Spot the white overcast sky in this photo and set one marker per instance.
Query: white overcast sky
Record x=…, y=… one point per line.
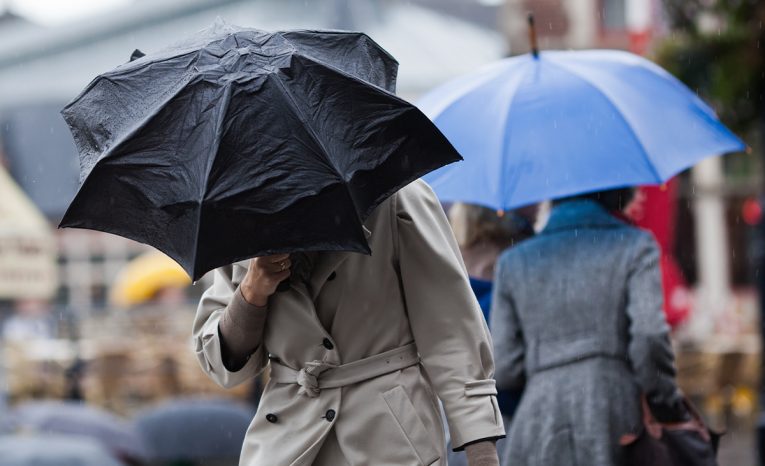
x=51, y=12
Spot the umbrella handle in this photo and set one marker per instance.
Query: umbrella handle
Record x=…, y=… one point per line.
x=533, y=36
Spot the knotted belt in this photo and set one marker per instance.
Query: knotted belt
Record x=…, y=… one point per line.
x=318, y=375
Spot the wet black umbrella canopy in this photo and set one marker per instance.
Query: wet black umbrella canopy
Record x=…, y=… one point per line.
x=238, y=142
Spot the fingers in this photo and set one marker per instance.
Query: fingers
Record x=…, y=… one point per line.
x=277, y=267
x=276, y=258
x=271, y=264
x=271, y=270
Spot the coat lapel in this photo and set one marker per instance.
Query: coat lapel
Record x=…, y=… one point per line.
x=326, y=263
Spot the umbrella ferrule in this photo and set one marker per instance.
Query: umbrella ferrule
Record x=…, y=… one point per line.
x=533, y=37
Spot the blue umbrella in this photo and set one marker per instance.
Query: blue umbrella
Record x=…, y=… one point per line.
x=564, y=123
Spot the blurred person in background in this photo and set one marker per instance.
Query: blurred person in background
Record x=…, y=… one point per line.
x=31, y=320
x=482, y=234
x=577, y=318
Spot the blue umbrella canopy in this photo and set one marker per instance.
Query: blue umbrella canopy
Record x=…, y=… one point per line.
x=565, y=123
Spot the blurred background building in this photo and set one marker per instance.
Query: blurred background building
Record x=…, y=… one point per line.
x=42, y=68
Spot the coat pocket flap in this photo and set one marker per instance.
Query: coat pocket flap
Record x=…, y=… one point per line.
x=406, y=416
x=481, y=387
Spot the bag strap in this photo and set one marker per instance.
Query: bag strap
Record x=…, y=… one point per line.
x=655, y=428
x=650, y=423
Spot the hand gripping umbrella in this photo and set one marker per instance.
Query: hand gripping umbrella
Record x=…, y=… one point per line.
x=238, y=143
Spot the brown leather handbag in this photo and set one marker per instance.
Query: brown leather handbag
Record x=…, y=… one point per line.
x=688, y=443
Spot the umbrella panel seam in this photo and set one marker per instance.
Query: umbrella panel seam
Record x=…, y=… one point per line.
x=619, y=112
x=309, y=129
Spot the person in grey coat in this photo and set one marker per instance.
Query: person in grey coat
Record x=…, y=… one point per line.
x=577, y=317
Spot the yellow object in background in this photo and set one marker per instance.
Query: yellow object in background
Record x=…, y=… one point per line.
x=143, y=277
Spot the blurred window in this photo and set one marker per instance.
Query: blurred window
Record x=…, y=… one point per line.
x=614, y=15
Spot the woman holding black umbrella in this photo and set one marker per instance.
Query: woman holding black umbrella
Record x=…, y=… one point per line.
x=359, y=347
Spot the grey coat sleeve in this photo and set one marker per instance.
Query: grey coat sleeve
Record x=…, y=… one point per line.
x=649, y=349
x=509, y=351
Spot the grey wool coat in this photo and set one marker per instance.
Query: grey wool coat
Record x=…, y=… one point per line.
x=337, y=396
x=577, y=317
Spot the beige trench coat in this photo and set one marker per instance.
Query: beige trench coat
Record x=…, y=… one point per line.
x=412, y=289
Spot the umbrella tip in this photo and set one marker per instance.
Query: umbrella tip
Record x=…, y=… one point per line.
x=136, y=55
x=533, y=36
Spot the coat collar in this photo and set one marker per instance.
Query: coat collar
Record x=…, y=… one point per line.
x=325, y=264
x=580, y=214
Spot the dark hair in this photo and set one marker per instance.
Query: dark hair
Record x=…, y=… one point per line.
x=612, y=199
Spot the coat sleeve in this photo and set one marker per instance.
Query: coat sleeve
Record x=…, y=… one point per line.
x=445, y=318
x=509, y=346
x=649, y=349
x=208, y=345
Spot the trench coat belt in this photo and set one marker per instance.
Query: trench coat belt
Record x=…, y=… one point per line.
x=317, y=375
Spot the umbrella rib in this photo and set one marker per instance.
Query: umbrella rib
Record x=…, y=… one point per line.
x=505, y=143
x=309, y=129
x=619, y=112
x=142, y=123
x=226, y=97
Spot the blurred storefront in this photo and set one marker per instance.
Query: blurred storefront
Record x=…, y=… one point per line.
x=27, y=246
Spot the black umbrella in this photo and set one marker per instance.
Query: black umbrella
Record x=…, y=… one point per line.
x=239, y=143
x=53, y=450
x=194, y=429
x=72, y=418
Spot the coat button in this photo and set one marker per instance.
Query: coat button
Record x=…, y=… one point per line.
x=328, y=344
x=270, y=417
x=332, y=276
x=330, y=416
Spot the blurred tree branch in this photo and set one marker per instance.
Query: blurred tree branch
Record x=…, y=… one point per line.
x=717, y=48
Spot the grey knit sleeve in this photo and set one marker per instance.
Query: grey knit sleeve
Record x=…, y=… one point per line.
x=241, y=331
